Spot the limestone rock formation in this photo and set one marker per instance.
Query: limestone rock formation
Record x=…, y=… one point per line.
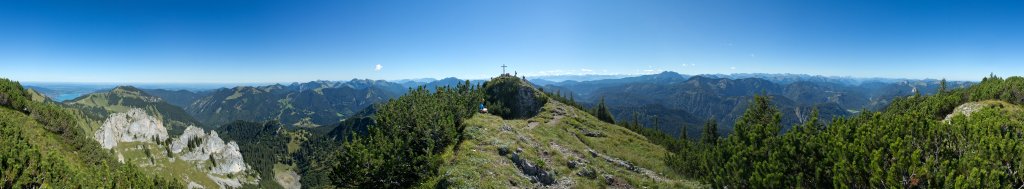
x=132, y=126
x=227, y=156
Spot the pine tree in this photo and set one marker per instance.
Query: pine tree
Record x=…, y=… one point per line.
x=636, y=119
x=603, y=114
x=167, y=148
x=710, y=133
x=942, y=86
x=655, y=124
x=755, y=136
x=213, y=161
x=572, y=98
x=682, y=133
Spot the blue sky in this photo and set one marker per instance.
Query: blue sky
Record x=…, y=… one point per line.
x=285, y=41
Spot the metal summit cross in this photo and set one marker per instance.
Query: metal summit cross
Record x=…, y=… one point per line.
x=503, y=68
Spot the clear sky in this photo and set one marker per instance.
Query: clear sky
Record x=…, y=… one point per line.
x=285, y=41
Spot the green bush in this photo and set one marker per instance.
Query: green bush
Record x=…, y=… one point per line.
x=12, y=95
x=405, y=143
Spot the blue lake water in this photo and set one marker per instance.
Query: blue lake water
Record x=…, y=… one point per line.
x=66, y=96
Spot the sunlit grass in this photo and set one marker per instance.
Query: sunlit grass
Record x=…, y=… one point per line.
x=478, y=164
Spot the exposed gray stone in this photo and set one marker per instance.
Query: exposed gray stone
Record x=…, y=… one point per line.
x=535, y=172
x=132, y=126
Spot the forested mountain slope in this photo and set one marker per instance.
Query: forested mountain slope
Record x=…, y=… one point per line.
x=960, y=138
x=45, y=146
x=267, y=147
x=295, y=105
x=180, y=98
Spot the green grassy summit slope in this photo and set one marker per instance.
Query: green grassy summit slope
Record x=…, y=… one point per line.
x=549, y=144
x=573, y=147
x=36, y=95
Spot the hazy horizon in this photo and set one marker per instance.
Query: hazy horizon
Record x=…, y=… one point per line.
x=543, y=77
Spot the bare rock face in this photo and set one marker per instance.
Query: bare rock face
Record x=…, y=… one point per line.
x=190, y=133
x=227, y=156
x=229, y=160
x=208, y=144
x=528, y=101
x=132, y=126
x=288, y=179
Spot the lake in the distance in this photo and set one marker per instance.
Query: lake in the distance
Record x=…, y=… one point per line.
x=66, y=96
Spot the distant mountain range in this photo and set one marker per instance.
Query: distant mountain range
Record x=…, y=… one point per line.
x=310, y=104
x=674, y=100
x=584, y=77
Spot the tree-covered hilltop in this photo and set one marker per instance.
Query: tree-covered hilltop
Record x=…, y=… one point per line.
x=44, y=146
x=512, y=98
x=961, y=138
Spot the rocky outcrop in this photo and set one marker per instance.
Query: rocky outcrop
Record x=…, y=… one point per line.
x=288, y=179
x=965, y=109
x=591, y=133
x=227, y=156
x=192, y=185
x=615, y=182
x=537, y=173
x=191, y=133
x=132, y=126
x=225, y=182
x=194, y=145
x=229, y=160
x=529, y=101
